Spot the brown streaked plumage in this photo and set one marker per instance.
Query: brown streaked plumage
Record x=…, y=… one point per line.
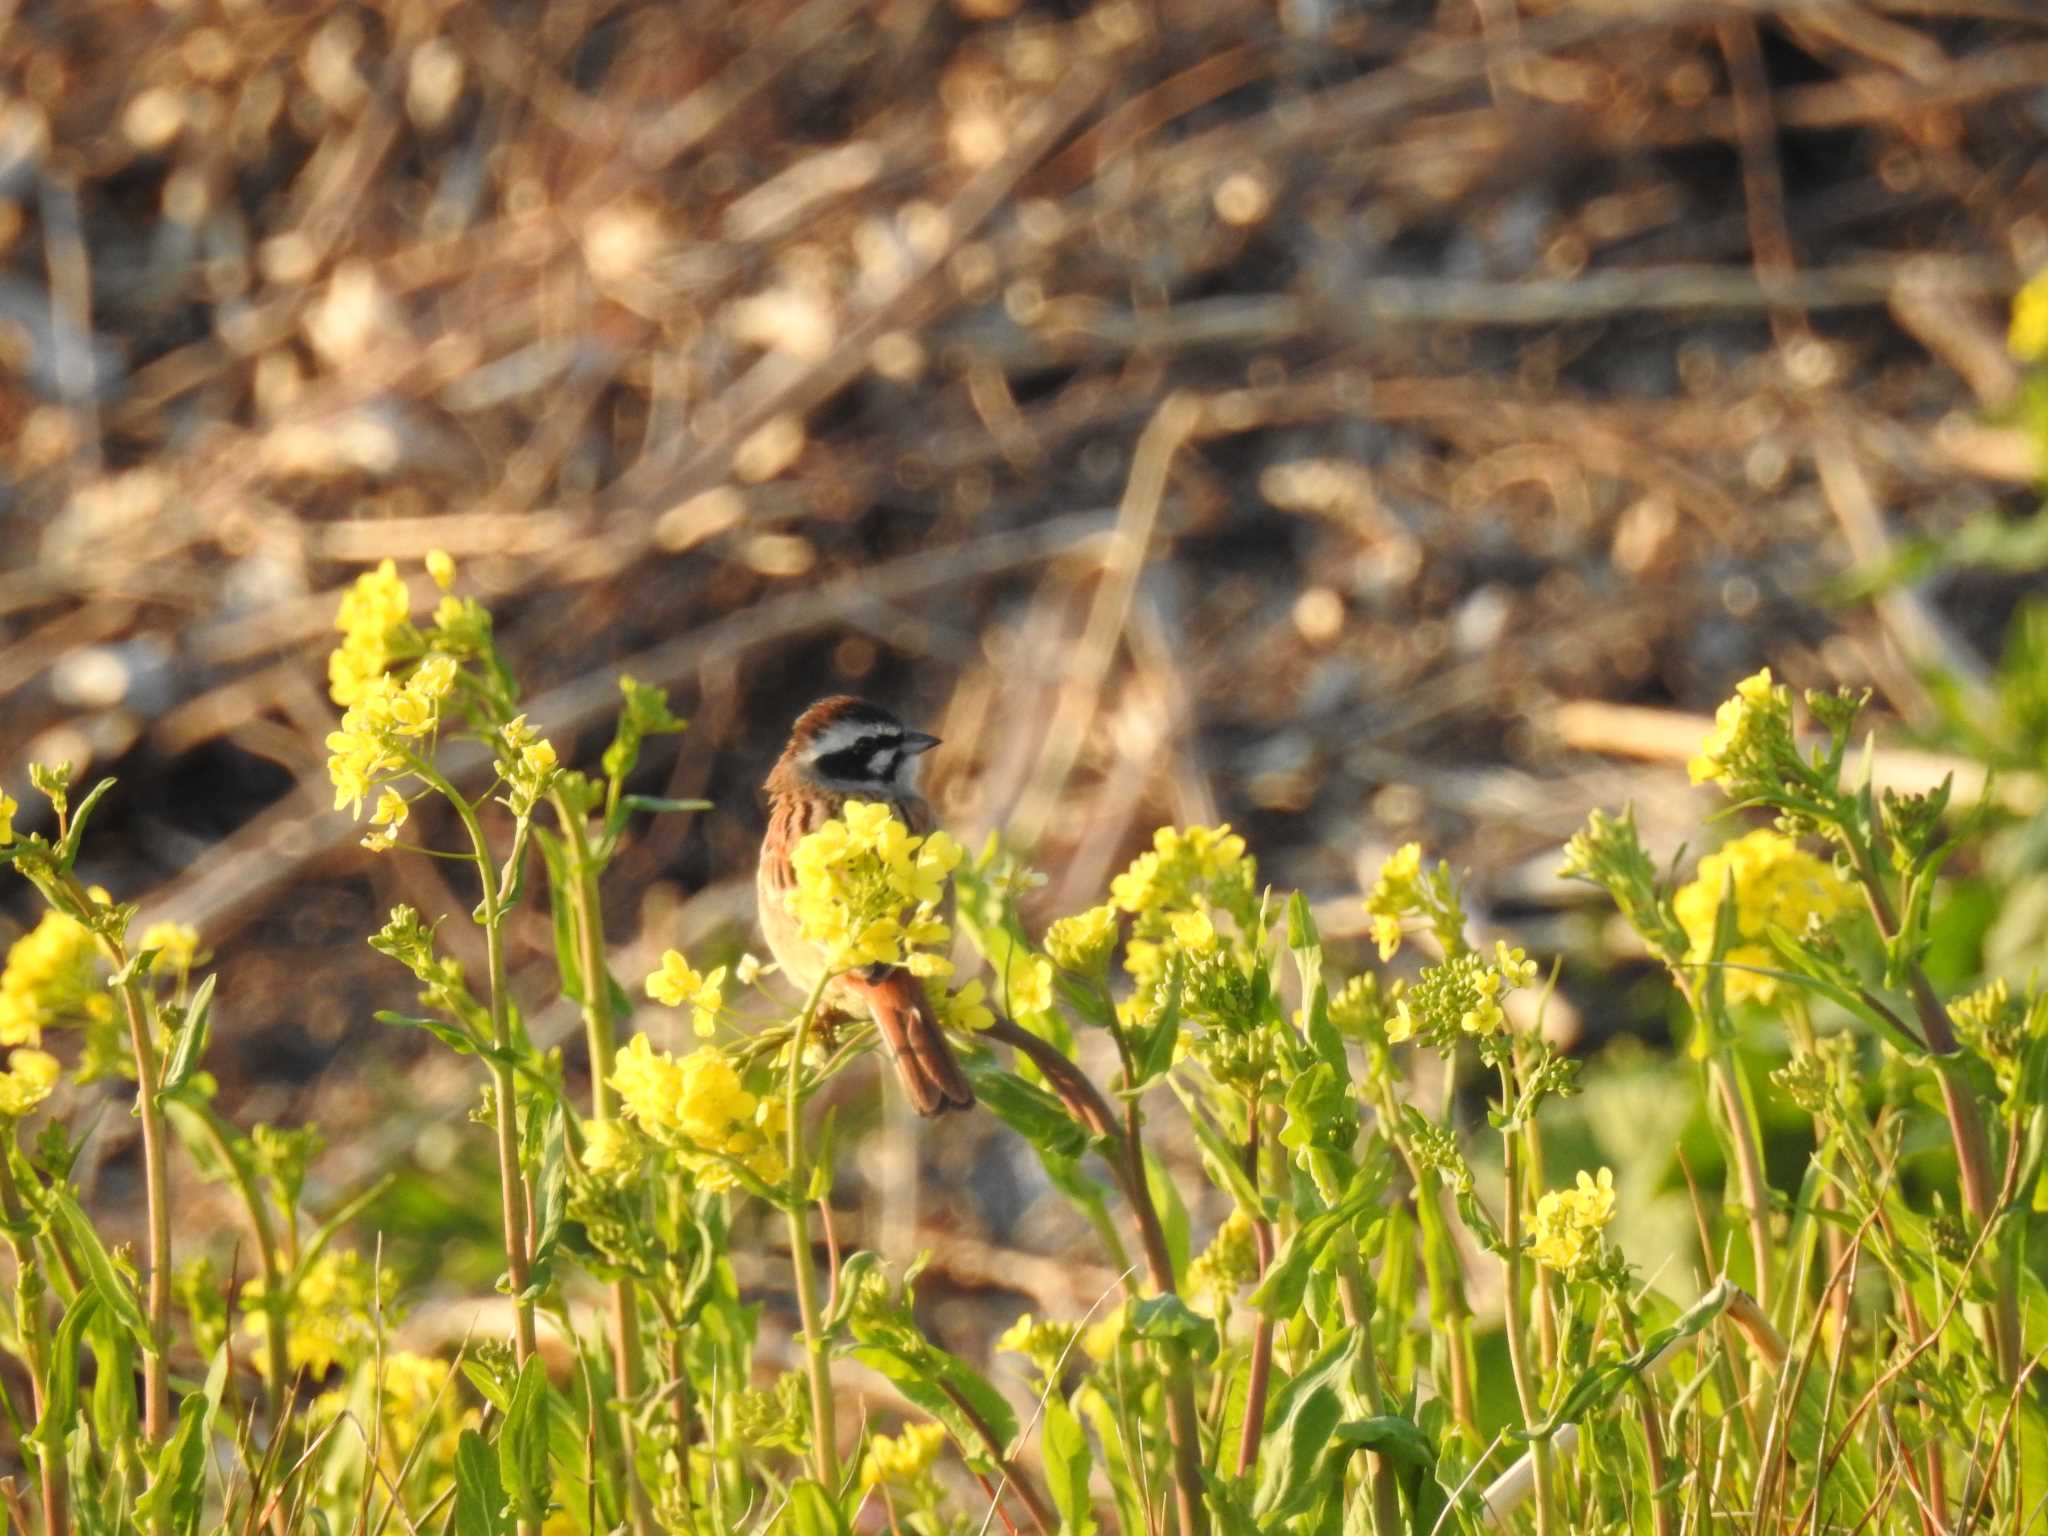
x=842, y=749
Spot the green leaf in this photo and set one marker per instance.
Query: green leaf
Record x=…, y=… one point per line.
x=811, y=1512
x=562, y=910
x=61, y=1409
x=551, y=1189
x=479, y=1496
x=1303, y=1416
x=523, y=1443
x=171, y=1501
x=1036, y=1115
x=67, y=851
x=191, y=1046
x=656, y=804
x=1173, y=1214
x=85, y=1246
x=1068, y=1462
x=1156, y=1055
x=1169, y=1320
x=942, y=1384
x=453, y=1036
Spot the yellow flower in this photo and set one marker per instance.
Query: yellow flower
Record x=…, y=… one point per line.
x=330, y=1319
x=8, y=807
x=609, y=1151
x=1184, y=862
x=868, y=891
x=49, y=979
x=1082, y=943
x=676, y=982
x=968, y=1008
x=2027, y=340
x=1027, y=983
x=1194, y=930
x=1565, y=1235
x=1777, y=885
x=28, y=1080
x=699, y=1106
x=374, y=605
x=1099, y=1339
x=176, y=944
x=1400, y=1024
x=905, y=1459
x=441, y=566
x=1739, y=726
x=1392, y=895
x=1043, y=1344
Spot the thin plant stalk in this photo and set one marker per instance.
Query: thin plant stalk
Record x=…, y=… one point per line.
x=155, y=1376
x=1262, y=1330
x=511, y=1177
x=1516, y=1322
x=1654, y=1463
x=35, y=1343
x=1355, y=1292
x=1746, y=1139
x=824, y=1428
x=1966, y=1124
x=601, y=1039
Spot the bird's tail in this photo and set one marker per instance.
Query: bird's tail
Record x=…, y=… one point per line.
x=932, y=1076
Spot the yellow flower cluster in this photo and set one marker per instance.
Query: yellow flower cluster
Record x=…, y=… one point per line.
x=176, y=944
x=330, y=1320
x=1099, y=1338
x=698, y=1105
x=1044, y=1344
x=1464, y=993
x=1182, y=864
x=1170, y=888
x=1392, y=895
x=676, y=983
x=1231, y=1260
x=49, y=979
x=28, y=1080
x=856, y=876
x=527, y=763
x=1565, y=1235
x=1082, y=943
x=609, y=1151
x=1742, y=729
x=904, y=1459
x=1777, y=885
x=2027, y=340
x=369, y=747
x=373, y=606
x=9, y=807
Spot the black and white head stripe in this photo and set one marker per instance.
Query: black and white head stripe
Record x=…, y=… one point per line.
x=858, y=743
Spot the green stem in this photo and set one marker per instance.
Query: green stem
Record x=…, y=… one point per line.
x=601, y=1038
x=1966, y=1124
x=35, y=1344
x=276, y=1341
x=1262, y=1330
x=824, y=1428
x=1514, y=1320
x=1355, y=1292
x=155, y=1377
x=1746, y=1139
x=511, y=1177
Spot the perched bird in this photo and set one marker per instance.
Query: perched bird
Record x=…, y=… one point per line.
x=844, y=749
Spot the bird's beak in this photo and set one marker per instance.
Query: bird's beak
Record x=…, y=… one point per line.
x=917, y=741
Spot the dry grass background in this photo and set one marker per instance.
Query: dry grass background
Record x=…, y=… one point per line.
x=1359, y=421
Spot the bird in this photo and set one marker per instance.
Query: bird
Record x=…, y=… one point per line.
x=843, y=748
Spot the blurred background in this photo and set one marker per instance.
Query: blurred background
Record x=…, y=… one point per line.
x=1356, y=420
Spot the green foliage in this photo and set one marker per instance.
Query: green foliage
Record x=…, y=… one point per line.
x=1306, y=1304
